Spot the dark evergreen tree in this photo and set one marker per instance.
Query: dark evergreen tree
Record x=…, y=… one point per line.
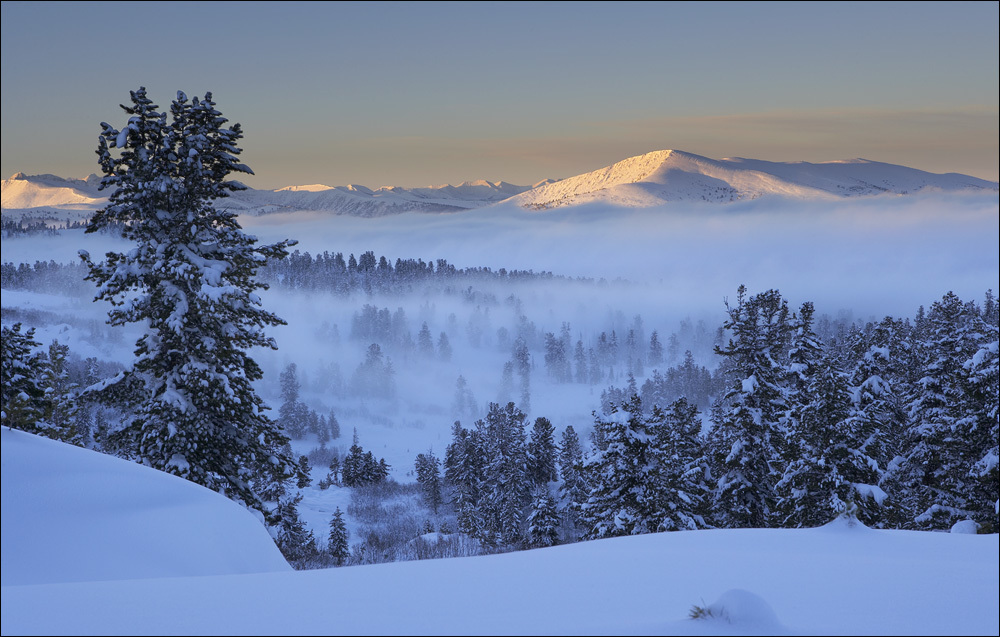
x=745, y=441
x=821, y=452
x=542, y=453
x=425, y=342
x=429, y=477
x=574, y=489
x=295, y=541
x=444, y=347
x=556, y=360
x=543, y=519
x=337, y=542
x=983, y=391
x=622, y=496
x=655, y=349
x=293, y=415
x=334, y=476
x=580, y=359
x=464, y=468
x=61, y=409
x=190, y=281
x=304, y=479
x=522, y=364
x=948, y=435
x=505, y=487
x=878, y=417
x=334, y=425
x=680, y=470
x=23, y=390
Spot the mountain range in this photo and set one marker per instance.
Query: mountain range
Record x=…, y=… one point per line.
x=652, y=179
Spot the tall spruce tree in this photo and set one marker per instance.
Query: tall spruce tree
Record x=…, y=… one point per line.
x=428, y=469
x=746, y=439
x=506, y=487
x=542, y=453
x=337, y=543
x=573, y=489
x=543, y=519
x=23, y=390
x=190, y=281
x=948, y=435
x=622, y=498
x=464, y=464
x=680, y=470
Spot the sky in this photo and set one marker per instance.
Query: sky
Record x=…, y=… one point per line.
x=417, y=94
x=153, y=554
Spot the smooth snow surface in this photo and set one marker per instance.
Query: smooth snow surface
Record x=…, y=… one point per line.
x=71, y=515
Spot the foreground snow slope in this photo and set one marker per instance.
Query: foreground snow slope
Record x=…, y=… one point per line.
x=70, y=515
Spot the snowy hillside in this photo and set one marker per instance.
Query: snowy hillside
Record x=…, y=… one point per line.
x=177, y=559
x=72, y=514
x=672, y=176
x=648, y=180
x=47, y=197
x=36, y=191
x=365, y=202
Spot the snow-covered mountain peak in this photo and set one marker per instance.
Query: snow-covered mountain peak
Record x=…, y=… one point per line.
x=36, y=191
x=309, y=188
x=665, y=176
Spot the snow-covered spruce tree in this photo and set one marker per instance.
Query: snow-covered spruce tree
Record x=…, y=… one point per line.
x=464, y=464
x=542, y=453
x=821, y=452
x=983, y=391
x=37, y=394
x=23, y=391
x=428, y=469
x=293, y=415
x=622, y=498
x=680, y=469
x=573, y=489
x=294, y=540
x=543, y=519
x=336, y=544
x=948, y=435
x=877, y=412
x=506, y=487
x=190, y=280
x=62, y=410
x=746, y=437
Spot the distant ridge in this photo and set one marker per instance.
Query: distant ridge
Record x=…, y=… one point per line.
x=652, y=179
x=670, y=175
x=36, y=191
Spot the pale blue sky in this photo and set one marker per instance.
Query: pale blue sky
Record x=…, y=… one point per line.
x=416, y=94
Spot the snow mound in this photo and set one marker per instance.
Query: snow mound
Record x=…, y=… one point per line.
x=845, y=523
x=73, y=515
x=968, y=527
x=748, y=611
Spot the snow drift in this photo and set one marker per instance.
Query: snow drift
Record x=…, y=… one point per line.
x=72, y=514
